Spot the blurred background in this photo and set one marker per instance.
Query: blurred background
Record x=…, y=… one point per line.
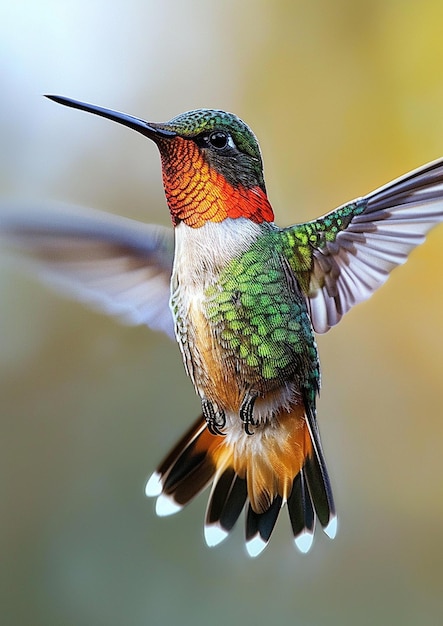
x=343, y=96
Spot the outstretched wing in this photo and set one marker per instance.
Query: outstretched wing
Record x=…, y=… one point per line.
x=343, y=257
x=117, y=265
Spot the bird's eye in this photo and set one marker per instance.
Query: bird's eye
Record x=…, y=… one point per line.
x=218, y=139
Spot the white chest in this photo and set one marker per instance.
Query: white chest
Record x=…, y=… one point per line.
x=202, y=253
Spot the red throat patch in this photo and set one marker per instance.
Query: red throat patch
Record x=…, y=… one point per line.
x=197, y=193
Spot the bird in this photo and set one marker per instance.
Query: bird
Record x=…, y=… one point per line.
x=244, y=299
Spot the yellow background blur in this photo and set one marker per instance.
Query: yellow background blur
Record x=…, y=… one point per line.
x=343, y=96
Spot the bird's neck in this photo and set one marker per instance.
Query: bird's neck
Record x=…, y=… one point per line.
x=197, y=193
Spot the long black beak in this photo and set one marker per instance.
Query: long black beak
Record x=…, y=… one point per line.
x=153, y=131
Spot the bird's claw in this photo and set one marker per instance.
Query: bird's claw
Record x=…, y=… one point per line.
x=215, y=419
x=246, y=413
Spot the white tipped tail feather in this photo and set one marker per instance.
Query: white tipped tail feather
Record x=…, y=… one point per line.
x=154, y=486
x=214, y=534
x=304, y=541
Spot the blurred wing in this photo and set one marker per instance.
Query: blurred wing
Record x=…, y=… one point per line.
x=117, y=265
x=343, y=257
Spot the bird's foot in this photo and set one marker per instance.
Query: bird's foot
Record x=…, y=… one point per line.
x=215, y=418
x=246, y=412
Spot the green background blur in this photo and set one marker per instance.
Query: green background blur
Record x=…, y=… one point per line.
x=344, y=96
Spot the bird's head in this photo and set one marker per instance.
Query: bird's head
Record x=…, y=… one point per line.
x=211, y=162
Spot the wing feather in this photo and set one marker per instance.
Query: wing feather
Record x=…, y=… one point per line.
x=117, y=265
x=353, y=249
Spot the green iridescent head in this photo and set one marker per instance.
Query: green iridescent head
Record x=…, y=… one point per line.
x=228, y=143
x=193, y=123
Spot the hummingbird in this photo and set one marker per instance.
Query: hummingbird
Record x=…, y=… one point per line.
x=244, y=299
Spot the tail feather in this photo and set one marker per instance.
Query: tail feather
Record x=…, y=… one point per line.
x=301, y=513
x=259, y=527
x=186, y=470
x=318, y=480
x=319, y=489
x=291, y=464
x=226, y=502
x=227, y=499
x=181, y=446
x=234, y=504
